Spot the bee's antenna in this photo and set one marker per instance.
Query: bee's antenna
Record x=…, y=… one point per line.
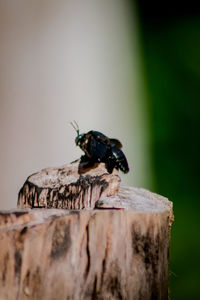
x=75, y=126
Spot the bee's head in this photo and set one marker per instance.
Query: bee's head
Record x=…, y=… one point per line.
x=78, y=139
x=79, y=136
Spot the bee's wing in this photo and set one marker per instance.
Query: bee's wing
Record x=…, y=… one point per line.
x=116, y=142
x=117, y=160
x=105, y=140
x=97, y=148
x=100, y=137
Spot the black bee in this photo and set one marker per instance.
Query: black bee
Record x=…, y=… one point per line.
x=99, y=148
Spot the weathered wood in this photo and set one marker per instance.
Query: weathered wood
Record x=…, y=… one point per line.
x=119, y=251
x=65, y=187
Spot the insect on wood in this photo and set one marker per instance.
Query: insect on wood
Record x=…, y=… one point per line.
x=99, y=148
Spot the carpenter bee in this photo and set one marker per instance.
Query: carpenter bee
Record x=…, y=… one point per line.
x=99, y=148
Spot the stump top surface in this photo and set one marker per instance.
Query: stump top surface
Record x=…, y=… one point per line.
x=54, y=177
x=129, y=200
x=132, y=199
x=136, y=199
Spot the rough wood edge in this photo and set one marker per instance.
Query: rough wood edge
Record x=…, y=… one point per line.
x=64, y=187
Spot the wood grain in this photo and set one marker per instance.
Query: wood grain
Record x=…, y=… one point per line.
x=119, y=250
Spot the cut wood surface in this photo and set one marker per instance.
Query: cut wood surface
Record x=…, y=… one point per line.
x=119, y=250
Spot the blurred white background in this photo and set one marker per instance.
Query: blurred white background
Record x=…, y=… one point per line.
x=62, y=61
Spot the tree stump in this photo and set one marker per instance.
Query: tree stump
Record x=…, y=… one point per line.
x=118, y=248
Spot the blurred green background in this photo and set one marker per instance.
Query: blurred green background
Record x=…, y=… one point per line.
x=170, y=51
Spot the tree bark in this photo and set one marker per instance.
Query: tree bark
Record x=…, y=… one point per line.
x=119, y=250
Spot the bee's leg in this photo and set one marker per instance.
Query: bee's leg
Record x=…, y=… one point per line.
x=84, y=158
x=85, y=164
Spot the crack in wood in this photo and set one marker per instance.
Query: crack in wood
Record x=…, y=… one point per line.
x=87, y=269
x=4, y=271
x=18, y=262
x=94, y=292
